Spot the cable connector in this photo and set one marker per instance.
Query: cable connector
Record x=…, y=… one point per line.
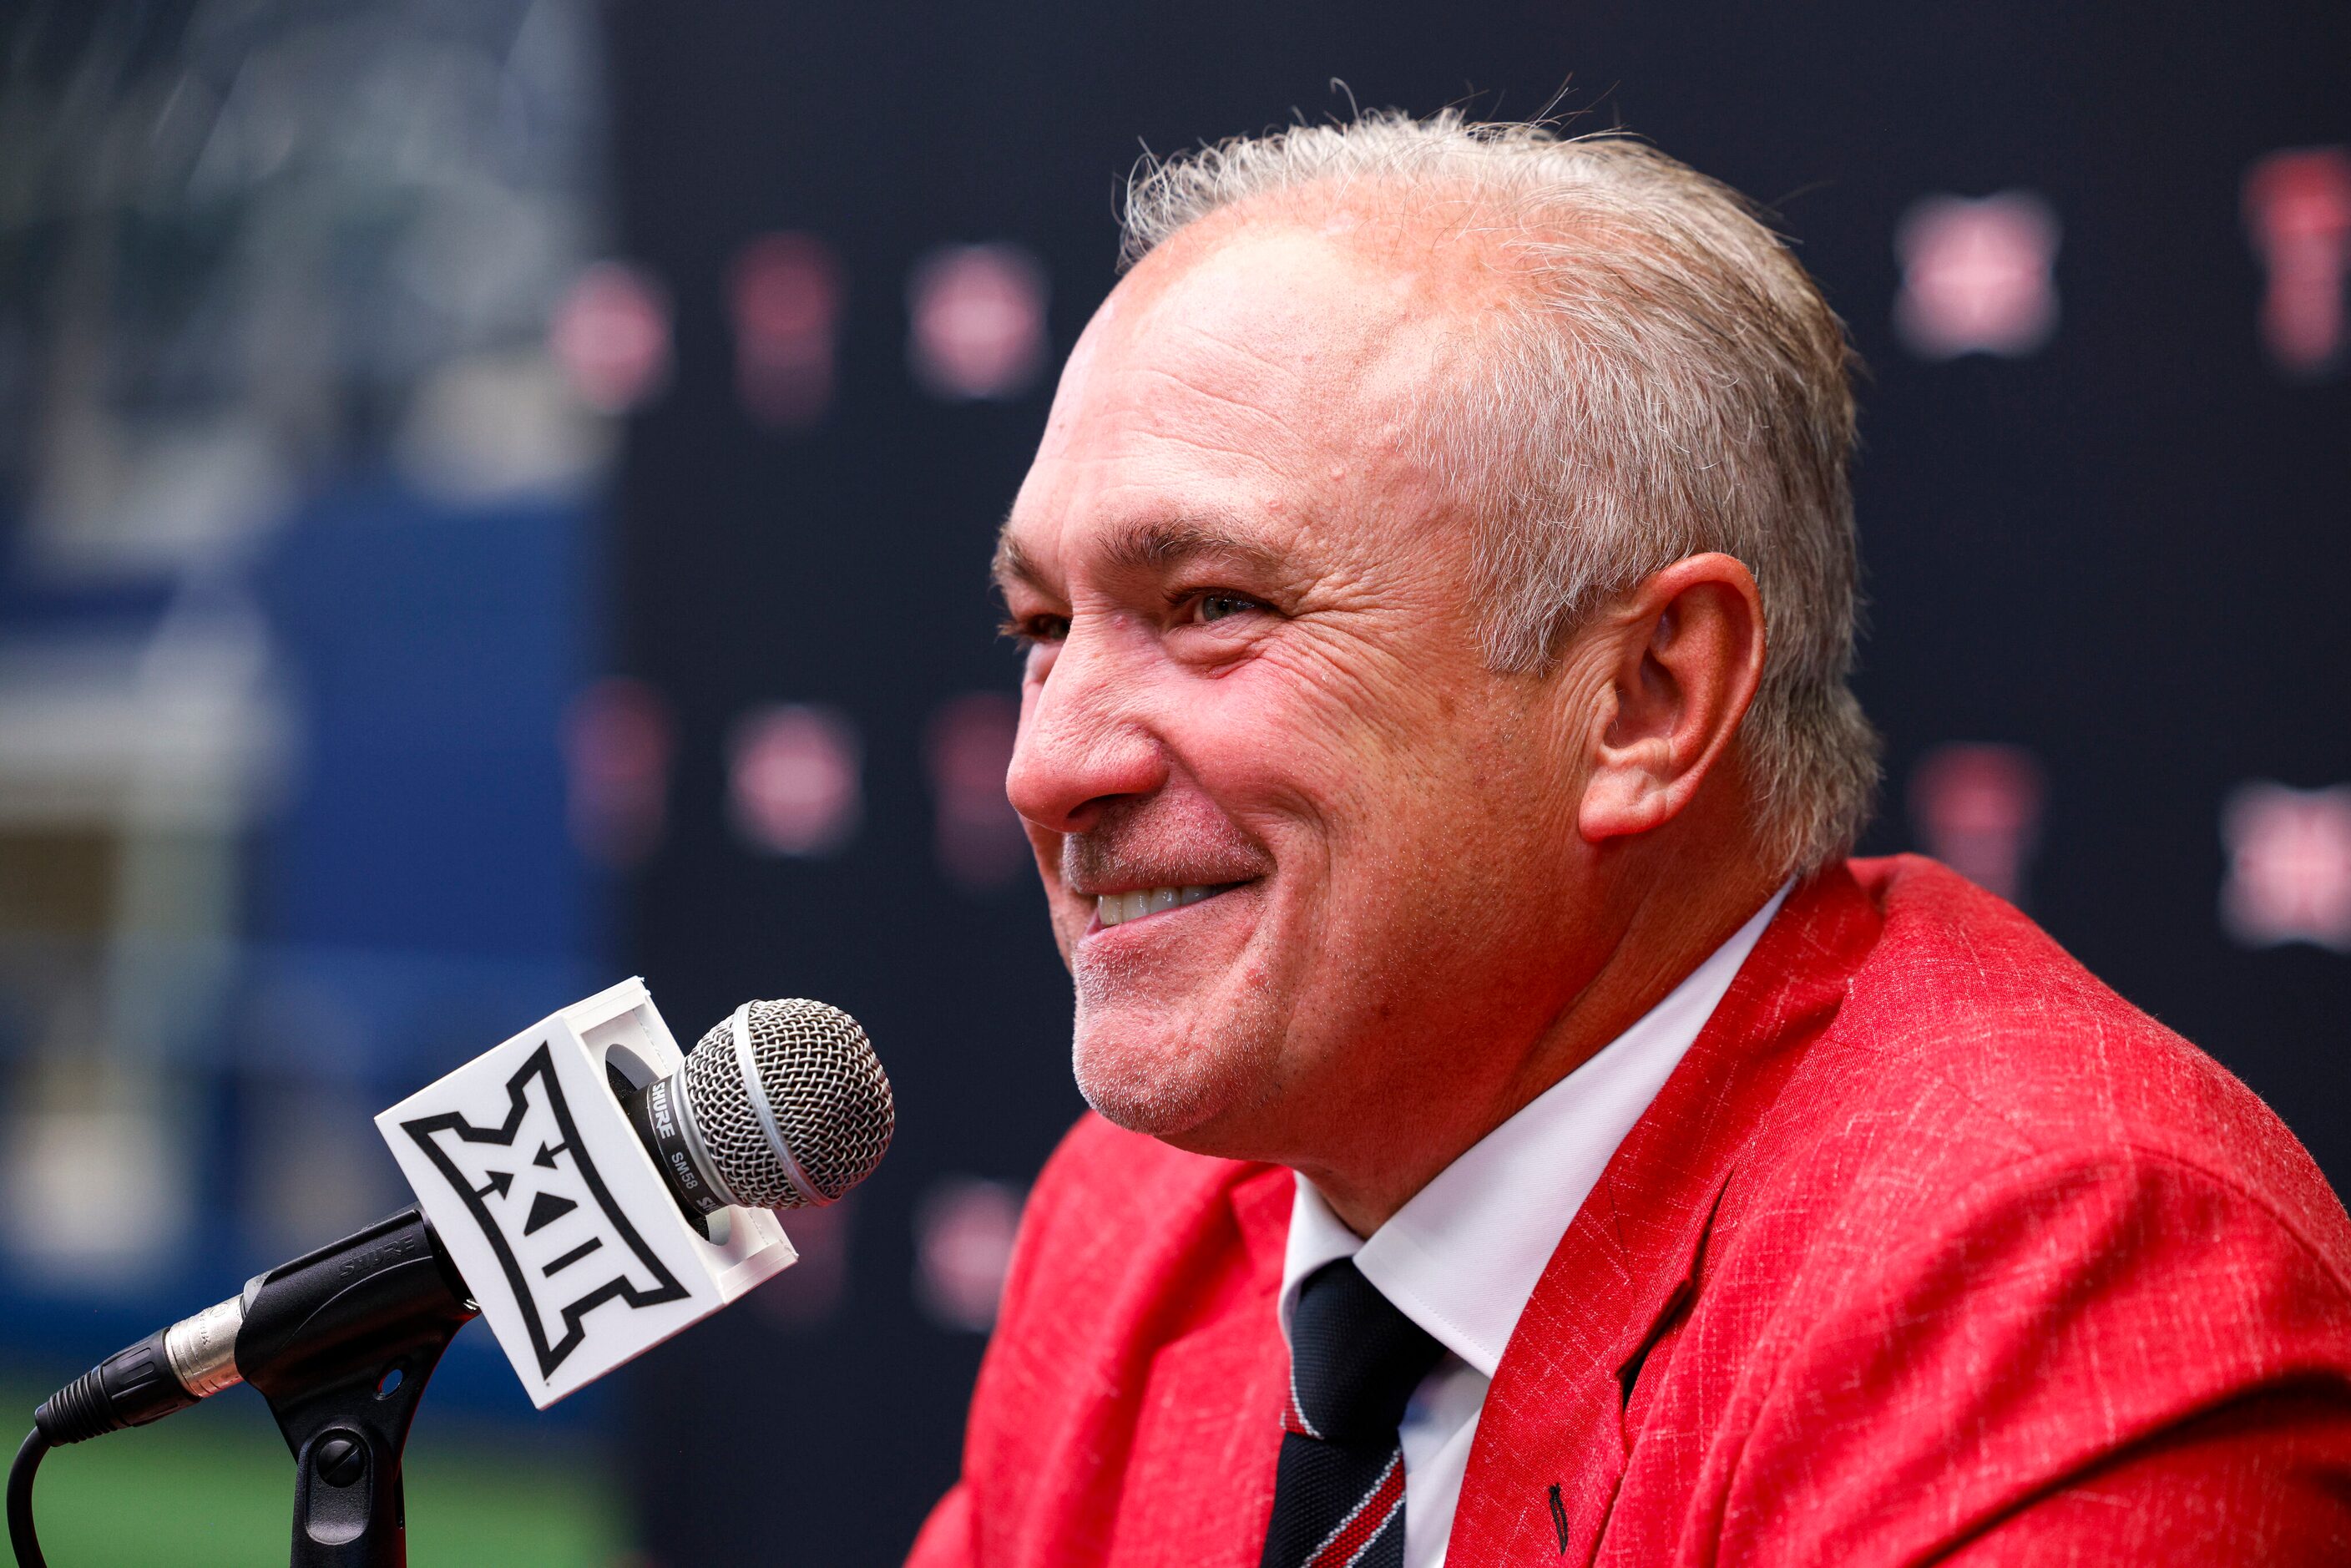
x=129, y=1388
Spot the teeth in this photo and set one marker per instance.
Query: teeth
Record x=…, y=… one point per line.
x=1115, y=908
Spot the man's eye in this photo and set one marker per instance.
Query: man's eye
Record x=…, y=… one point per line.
x=1216, y=606
x=1036, y=628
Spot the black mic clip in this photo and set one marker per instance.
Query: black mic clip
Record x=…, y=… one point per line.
x=341, y=1343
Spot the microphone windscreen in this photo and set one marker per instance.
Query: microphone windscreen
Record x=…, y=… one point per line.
x=811, y=1117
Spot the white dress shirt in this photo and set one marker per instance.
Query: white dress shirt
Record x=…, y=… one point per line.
x=1463, y=1256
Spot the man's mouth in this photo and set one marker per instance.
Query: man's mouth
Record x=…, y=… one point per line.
x=1117, y=909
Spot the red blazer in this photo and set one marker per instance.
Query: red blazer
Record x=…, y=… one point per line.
x=1931, y=1249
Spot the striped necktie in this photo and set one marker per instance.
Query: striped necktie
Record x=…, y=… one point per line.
x=1354, y=1360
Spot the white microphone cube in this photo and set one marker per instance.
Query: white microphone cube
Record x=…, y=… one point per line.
x=567, y=1234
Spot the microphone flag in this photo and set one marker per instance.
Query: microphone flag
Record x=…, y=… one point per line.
x=525, y=1165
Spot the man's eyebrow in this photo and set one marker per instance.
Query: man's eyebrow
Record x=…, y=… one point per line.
x=1160, y=545
x=1012, y=564
x=1150, y=548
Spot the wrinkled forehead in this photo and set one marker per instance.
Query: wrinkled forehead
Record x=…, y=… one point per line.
x=1269, y=368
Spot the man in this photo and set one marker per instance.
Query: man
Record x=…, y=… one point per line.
x=1522, y=1137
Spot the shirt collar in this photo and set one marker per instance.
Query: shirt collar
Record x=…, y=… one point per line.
x=1464, y=1254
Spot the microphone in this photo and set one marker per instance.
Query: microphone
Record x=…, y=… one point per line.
x=784, y=1105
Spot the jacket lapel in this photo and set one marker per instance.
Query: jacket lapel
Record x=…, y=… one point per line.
x=1197, y=1488
x=1551, y=1444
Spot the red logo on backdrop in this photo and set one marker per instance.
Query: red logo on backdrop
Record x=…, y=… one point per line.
x=794, y=778
x=978, y=319
x=1976, y=276
x=964, y=1228
x=1978, y=810
x=785, y=294
x=2289, y=866
x=2298, y=216
x=979, y=839
x=617, y=743
x=812, y=1290
x=611, y=336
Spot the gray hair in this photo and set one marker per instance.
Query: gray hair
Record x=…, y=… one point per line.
x=1666, y=380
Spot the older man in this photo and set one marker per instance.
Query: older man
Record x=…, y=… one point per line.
x=1521, y=1136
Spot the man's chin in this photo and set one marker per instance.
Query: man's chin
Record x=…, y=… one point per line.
x=1141, y=1098
x=1170, y=1087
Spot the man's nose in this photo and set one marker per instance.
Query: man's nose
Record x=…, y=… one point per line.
x=1084, y=744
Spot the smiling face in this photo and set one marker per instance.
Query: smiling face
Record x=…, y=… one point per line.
x=1305, y=852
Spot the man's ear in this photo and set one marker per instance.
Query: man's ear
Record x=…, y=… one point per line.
x=1681, y=654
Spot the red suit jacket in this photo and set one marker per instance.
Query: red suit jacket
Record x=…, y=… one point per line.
x=1931, y=1249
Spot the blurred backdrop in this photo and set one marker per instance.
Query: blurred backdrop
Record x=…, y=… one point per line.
x=495, y=496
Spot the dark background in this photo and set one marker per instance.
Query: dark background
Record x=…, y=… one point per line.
x=2123, y=554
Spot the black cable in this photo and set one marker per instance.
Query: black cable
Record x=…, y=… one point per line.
x=21, y=1538
x=129, y=1388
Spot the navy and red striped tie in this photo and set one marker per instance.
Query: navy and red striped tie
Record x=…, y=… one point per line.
x=1354, y=1360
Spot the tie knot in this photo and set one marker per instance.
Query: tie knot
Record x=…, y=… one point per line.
x=1354, y=1360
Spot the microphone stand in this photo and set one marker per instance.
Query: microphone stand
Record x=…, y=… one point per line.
x=341, y=1343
